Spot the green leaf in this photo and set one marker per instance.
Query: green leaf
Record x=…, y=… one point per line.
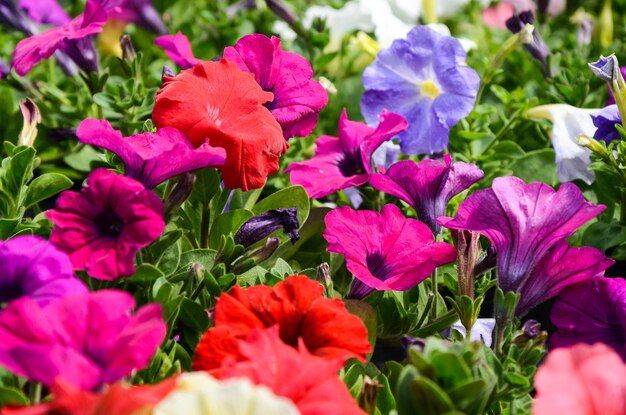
x=146, y=272
x=281, y=268
x=604, y=235
x=506, y=150
x=9, y=395
x=45, y=186
x=226, y=223
x=204, y=257
x=536, y=166
x=82, y=159
x=194, y=316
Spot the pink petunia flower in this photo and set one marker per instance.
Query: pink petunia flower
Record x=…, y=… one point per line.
x=298, y=99
x=88, y=340
x=344, y=161
x=384, y=251
x=428, y=185
x=178, y=49
x=581, y=380
x=30, y=51
x=103, y=227
x=151, y=158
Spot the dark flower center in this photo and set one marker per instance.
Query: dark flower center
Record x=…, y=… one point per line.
x=377, y=265
x=109, y=224
x=351, y=164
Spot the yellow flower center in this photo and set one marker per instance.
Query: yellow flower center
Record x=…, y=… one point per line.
x=429, y=89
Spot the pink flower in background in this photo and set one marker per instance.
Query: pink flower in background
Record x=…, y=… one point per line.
x=428, y=185
x=298, y=98
x=178, y=49
x=151, y=158
x=103, y=227
x=496, y=16
x=581, y=380
x=45, y=11
x=344, y=161
x=140, y=12
x=88, y=340
x=32, y=267
x=30, y=51
x=384, y=251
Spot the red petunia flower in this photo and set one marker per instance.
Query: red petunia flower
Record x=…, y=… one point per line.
x=309, y=381
x=218, y=103
x=297, y=306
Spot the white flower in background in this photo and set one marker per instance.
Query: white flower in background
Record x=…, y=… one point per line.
x=197, y=393
x=387, y=19
x=568, y=123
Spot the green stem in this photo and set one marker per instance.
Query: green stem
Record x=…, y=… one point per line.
x=433, y=309
x=204, y=227
x=34, y=392
x=502, y=131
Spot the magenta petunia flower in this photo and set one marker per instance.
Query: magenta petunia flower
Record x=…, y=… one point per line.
x=298, y=99
x=178, y=49
x=151, y=158
x=523, y=222
x=71, y=38
x=103, y=227
x=384, y=251
x=32, y=267
x=344, y=161
x=88, y=340
x=428, y=185
x=45, y=11
x=561, y=267
x=590, y=312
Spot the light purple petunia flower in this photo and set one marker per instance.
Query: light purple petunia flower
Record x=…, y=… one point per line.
x=178, y=49
x=344, y=161
x=88, y=340
x=298, y=98
x=605, y=123
x=428, y=185
x=45, y=11
x=151, y=158
x=72, y=38
x=393, y=253
x=591, y=312
x=32, y=267
x=524, y=222
x=425, y=79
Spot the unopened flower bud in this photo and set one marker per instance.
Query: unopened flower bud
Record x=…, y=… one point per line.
x=280, y=9
x=180, y=192
x=607, y=69
x=32, y=117
x=367, y=399
x=592, y=144
x=522, y=23
x=128, y=50
x=261, y=226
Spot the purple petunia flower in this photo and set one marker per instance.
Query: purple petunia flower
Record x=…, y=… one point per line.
x=262, y=226
x=88, y=340
x=344, y=161
x=394, y=253
x=591, y=312
x=72, y=38
x=538, y=49
x=524, y=222
x=45, y=11
x=611, y=100
x=178, y=49
x=140, y=12
x=605, y=123
x=32, y=267
x=151, y=158
x=425, y=79
x=428, y=185
x=103, y=227
x=298, y=98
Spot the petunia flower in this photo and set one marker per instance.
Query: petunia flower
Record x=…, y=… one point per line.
x=297, y=306
x=344, y=161
x=309, y=381
x=298, y=98
x=32, y=267
x=147, y=157
x=562, y=267
x=178, y=49
x=71, y=38
x=261, y=226
x=605, y=122
x=568, y=122
x=425, y=79
x=593, y=377
x=590, y=312
x=428, y=185
x=537, y=48
x=103, y=227
x=611, y=100
x=208, y=103
x=88, y=340
x=45, y=11
x=12, y=15
x=118, y=399
x=395, y=253
x=524, y=222
x=199, y=393
x=140, y=12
